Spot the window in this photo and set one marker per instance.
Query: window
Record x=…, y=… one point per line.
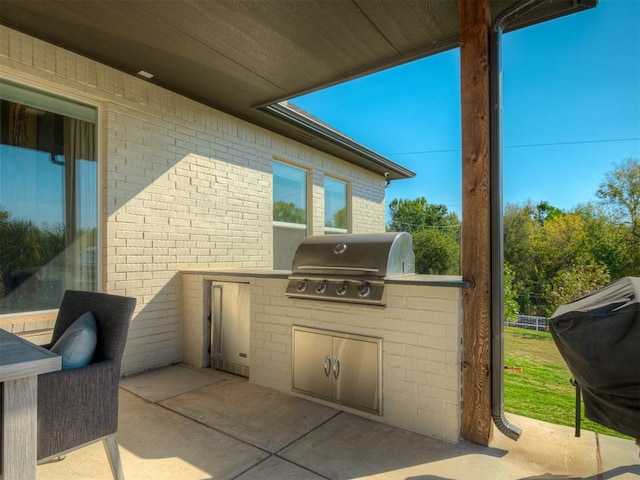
x=289, y=212
x=336, y=214
x=48, y=199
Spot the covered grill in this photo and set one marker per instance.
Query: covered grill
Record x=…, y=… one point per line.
x=599, y=339
x=349, y=267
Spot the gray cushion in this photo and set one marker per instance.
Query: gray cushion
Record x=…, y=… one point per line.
x=78, y=343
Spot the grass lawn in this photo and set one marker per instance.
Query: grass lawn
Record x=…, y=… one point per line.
x=542, y=390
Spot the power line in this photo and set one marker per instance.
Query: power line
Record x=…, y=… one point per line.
x=550, y=144
x=404, y=224
x=613, y=140
x=421, y=152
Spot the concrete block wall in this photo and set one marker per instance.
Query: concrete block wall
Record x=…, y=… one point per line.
x=181, y=184
x=421, y=332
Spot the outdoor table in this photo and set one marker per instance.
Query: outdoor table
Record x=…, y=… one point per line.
x=20, y=364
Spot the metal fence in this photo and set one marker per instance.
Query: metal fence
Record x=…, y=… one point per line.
x=529, y=322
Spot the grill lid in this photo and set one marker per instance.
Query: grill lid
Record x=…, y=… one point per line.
x=363, y=255
x=349, y=267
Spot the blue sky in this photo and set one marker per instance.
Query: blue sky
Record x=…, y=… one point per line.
x=571, y=90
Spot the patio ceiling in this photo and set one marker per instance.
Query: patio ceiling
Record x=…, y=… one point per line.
x=239, y=56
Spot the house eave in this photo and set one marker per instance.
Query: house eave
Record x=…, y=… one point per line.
x=323, y=133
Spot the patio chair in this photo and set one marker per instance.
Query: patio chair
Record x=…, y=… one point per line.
x=79, y=406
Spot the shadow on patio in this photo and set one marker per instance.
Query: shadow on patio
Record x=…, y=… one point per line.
x=181, y=423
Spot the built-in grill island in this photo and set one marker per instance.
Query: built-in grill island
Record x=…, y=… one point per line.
x=356, y=330
x=349, y=267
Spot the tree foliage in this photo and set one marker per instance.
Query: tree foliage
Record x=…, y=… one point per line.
x=558, y=256
x=437, y=252
x=25, y=246
x=511, y=307
x=338, y=220
x=435, y=231
x=621, y=191
x=573, y=283
x=418, y=214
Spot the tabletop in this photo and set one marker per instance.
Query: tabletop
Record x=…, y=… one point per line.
x=20, y=358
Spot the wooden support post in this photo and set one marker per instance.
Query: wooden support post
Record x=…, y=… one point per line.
x=474, y=21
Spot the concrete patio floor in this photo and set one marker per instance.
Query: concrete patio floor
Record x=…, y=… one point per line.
x=179, y=423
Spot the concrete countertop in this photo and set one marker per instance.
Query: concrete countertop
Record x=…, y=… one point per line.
x=237, y=272
x=410, y=279
x=431, y=280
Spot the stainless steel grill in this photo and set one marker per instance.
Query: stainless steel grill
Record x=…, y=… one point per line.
x=349, y=267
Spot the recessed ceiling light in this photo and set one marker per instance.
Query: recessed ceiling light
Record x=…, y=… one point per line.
x=144, y=74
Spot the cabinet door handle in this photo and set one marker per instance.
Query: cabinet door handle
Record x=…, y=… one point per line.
x=327, y=365
x=216, y=321
x=336, y=368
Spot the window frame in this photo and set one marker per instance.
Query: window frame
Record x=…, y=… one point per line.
x=307, y=195
x=280, y=255
x=10, y=89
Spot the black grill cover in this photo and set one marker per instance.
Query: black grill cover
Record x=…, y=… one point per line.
x=599, y=339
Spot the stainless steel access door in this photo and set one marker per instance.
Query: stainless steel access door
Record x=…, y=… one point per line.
x=230, y=321
x=312, y=363
x=343, y=368
x=355, y=370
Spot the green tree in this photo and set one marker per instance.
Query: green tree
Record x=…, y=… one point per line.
x=545, y=211
x=621, y=191
x=435, y=231
x=521, y=228
x=25, y=247
x=414, y=215
x=558, y=244
x=546, y=251
x=608, y=242
x=437, y=252
x=339, y=219
x=558, y=255
x=573, y=283
x=511, y=307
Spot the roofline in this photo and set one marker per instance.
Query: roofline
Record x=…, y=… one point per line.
x=546, y=11
x=319, y=129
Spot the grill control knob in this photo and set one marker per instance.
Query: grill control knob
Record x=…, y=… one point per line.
x=342, y=289
x=364, y=290
x=301, y=287
x=321, y=287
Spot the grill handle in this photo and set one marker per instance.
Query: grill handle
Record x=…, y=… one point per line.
x=338, y=268
x=216, y=321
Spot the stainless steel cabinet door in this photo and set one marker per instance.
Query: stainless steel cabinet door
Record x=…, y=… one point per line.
x=340, y=367
x=312, y=363
x=230, y=303
x=356, y=372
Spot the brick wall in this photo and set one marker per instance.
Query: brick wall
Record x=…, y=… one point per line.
x=181, y=185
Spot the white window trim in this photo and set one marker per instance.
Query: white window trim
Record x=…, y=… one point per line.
x=335, y=230
x=308, y=193
x=296, y=226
